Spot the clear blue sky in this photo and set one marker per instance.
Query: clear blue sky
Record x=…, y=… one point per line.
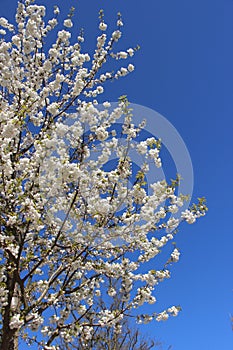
x=184, y=70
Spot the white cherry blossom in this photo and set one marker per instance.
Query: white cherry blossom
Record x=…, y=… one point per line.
x=73, y=227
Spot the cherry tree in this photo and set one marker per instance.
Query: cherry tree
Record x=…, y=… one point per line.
x=74, y=232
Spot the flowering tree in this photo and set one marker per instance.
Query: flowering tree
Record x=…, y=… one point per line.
x=73, y=231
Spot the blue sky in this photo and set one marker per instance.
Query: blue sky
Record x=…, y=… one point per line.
x=184, y=71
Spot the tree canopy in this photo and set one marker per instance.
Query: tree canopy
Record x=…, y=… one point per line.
x=74, y=231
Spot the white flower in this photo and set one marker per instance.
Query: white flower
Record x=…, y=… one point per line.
x=142, y=147
x=103, y=26
x=123, y=54
x=80, y=39
x=173, y=208
x=172, y=223
x=53, y=108
x=16, y=40
x=130, y=67
x=3, y=22
x=173, y=310
x=68, y=23
x=153, y=153
x=52, y=22
x=175, y=255
x=100, y=89
x=106, y=104
x=64, y=35
x=16, y=322
x=111, y=292
x=56, y=10
x=116, y=35
x=123, y=71
x=130, y=52
x=188, y=216
x=101, y=134
x=162, y=316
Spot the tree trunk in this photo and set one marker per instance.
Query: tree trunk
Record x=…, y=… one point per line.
x=9, y=339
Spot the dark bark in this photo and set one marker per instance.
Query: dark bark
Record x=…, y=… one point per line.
x=9, y=337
